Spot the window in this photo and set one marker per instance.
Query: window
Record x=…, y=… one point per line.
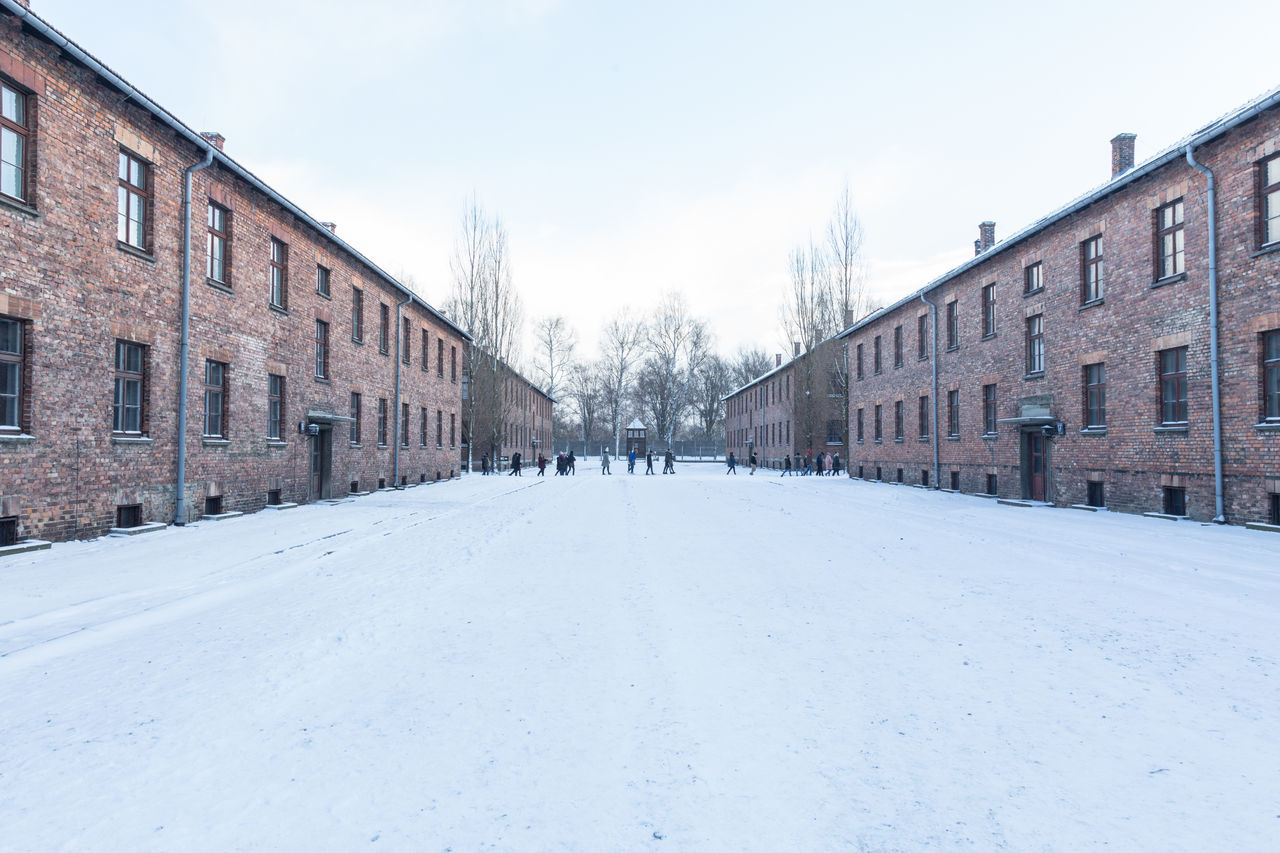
x=922, y=336
x=1091, y=270
x=1033, y=278
x=453, y=364
x=989, y=409
x=1269, y=196
x=278, y=269
x=1175, y=500
x=404, y=424
x=384, y=328
x=11, y=374
x=127, y=414
x=1095, y=396
x=424, y=349
x=859, y=360
x=440, y=429
x=989, y=311
x=833, y=432
x=275, y=404
x=859, y=425
x=129, y=515
x=953, y=325
x=322, y=281
x=897, y=346
x=355, y=420
x=1173, y=385
x=215, y=399
x=1170, y=259
x=953, y=414
x=133, y=193
x=1271, y=376
x=14, y=135
x=440, y=357
x=357, y=315
x=923, y=417
x=878, y=435
x=8, y=531
x=406, y=340
x=453, y=419
x=382, y=421
x=876, y=354
x=897, y=421
x=993, y=484
x=422, y=429
x=1273, y=516
x=1035, y=344
x=216, y=257
x=322, y=350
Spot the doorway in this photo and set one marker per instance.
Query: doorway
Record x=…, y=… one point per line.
x=322, y=462
x=1033, y=464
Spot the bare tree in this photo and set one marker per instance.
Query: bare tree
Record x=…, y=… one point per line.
x=555, y=342
x=621, y=346
x=484, y=303
x=713, y=381
x=749, y=364
x=677, y=345
x=585, y=396
x=844, y=250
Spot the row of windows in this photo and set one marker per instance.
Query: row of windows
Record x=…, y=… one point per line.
x=129, y=410
x=1171, y=365
x=761, y=396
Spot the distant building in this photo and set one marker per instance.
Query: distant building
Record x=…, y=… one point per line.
x=637, y=438
x=503, y=413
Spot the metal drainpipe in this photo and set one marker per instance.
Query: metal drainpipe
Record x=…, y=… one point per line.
x=1221, y=517
x=180, y=518
x=933, y=312
x=399, y=356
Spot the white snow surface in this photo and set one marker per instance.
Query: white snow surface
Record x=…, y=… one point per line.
x=688, y=662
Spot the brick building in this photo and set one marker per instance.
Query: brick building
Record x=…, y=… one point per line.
x=131, y=245
x=510, y=415
x=1076, y=362
x=798, y=407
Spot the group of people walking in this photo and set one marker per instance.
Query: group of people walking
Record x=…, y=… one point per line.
x=566, y=464
x=821, y=464
x=668, y=462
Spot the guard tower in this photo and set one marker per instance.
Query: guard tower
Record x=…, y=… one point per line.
x=637, y=439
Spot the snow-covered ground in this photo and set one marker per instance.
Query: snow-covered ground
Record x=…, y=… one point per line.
x=697, y=662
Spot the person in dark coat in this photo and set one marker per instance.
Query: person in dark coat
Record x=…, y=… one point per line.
x=786, y=466
x=753, y=462
x=515, y=465
x=835, y=465
x=648, y=462
x=542, y=465
x=817, y=465
x=669, y=463
x=570, y=461
x=484, y=465
x=733, y=465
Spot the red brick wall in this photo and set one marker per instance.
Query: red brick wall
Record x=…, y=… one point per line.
x=77, y=291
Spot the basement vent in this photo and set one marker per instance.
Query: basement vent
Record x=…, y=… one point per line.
x=1175, y=500
x=382, y=482
x=273, y=497
x=213, y=506
x=1095, y=496
x=879, y=473
x=422, y=478
x=404, y=479
x=955, y=481
x=924, y=476
x=355, y=486
x=900, y=475
x=8, y=531
x=992, y=485
x=129, y=515
x=860, y=473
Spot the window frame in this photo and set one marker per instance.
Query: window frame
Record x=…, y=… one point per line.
x=382, y=422
x=278, y=274
x=953, y=413
x=1035, y=345
x=1270, y=352
x=1170, y=241
x=384, y=328
x=858, y=351
x=275, y=405
x=322, y=349
x=127, y=190
x=22, y=129
x=897, y=345
x=406, y=340
x=922, y=333
x=324, y=277
x=1094, y=379
x=453, y=364
x=989, y=310
x=899, y=427
x=953, y=325
x=1033, y=278
x=1176, y=379
x=17, y=358
x=215, y=391
x=124, y=379
x=356, y=401
x=922, y=416
x=877, y=361
x=860, y=425
x=1091, y=270
x=425, y=349
x=404, y=424
x=357, y=315
x=440, y=429
x=990, y=408
x=422, y=429
x=878, y=424
x=1269, y=203
x=217, y=236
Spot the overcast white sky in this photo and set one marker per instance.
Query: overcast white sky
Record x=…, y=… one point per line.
x=634, y=148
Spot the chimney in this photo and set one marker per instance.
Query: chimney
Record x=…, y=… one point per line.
x=795, y=347
x=848, y=317
x=332, y=226
x=777, y=359
x=24, y=4
x=1122, y=153
x=986, y=237
x=214, y=138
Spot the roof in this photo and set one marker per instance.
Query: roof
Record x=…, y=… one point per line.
x=635, y=424
x=74, y=51
x=1177, y=151
x=786, y=364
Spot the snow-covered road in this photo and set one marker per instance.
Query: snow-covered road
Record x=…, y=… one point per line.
x=697, y=662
